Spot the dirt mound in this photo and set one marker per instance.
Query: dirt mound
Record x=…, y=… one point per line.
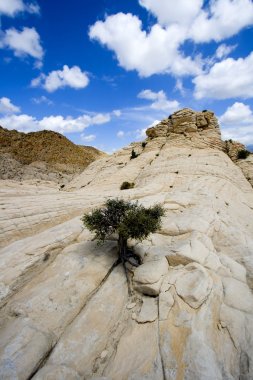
x=43, y=155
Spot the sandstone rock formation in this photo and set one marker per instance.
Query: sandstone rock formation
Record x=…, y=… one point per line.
x=65, y=311
x=43, y=155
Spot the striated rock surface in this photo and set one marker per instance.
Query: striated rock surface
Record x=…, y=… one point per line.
x=65, y=311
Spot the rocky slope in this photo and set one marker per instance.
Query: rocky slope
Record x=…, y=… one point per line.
x=65, y=312
x=43, y=155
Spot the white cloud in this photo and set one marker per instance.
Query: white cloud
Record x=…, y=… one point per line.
x=42, y=99
x=223, y=19
x=237, y=123
x=148, y=53
x=171, y=11
x=224, y=50
x=238, y=112
x=23, y=43
x=120, y=134
x=101, y=118
x=26, y=123
x=180, y=87
x=6, y=107
x=227, y=79
x=67, y=77
x=12, y=7
x=33, y=8
x=160, y=100
x=160, y=49
x=141, y=133
x=88, y=138
x=116, y=113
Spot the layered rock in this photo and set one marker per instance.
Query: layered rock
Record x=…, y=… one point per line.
x=65, y=309
x=202, y=127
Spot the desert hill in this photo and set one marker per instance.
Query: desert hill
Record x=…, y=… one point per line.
x=43, y=155
x=65, y=311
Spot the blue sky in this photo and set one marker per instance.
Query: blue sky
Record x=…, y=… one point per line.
x=102, y=71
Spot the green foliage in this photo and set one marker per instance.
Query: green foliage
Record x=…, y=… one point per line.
x=242, y=154
x=129, y=220
x=139, y=222
x=133, y=155
x=127, y=185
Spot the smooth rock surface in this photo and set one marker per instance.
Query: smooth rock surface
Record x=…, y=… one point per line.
x=65, y=311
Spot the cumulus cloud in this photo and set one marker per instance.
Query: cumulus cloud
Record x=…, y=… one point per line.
x=23, y=43
x=160, y=49
x=237, y=123
x=160, y=101
x=223, y=19
x=26, y=123
x=171, y=11
x=6, y=106
x=227, y=79
x=88, y=138
x=12, y=7
x=148, y=53
x=67, y=77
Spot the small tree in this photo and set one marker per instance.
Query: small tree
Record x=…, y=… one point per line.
x=129, y=220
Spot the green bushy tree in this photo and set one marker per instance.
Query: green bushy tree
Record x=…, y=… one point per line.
x=129, y=220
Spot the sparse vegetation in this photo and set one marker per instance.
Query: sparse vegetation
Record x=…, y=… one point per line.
x=127, y=185
x=143, y=144
x=129, y=221
x=242, y=154
x=133, y=155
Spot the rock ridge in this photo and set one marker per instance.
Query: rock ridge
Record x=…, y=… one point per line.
x=65, y=311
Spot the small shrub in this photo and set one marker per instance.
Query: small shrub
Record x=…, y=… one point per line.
x=242, y=154
x=157, y=154
x=129, y=221
x=133, y=155
x=127, y=185
x=143, y=144
x=204, y=111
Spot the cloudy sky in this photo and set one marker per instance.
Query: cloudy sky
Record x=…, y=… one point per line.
x=102, y=71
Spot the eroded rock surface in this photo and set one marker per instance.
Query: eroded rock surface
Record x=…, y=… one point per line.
x=65, y=310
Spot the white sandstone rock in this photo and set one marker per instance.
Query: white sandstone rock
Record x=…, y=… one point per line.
x=194, y=285
x=149, y=312
x=151, y=271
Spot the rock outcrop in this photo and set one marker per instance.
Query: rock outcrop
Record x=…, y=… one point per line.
x=186, y=124
x=43, y=155
x=65, y=311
